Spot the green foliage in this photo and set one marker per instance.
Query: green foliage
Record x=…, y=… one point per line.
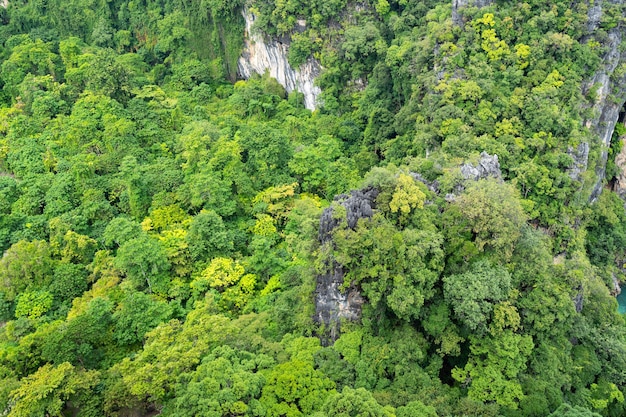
x=354, y=403
x=120, y=230
x=401, y=268
x=208, y=236
x=566, y=410
x=69, y=282
x=144, y=262
x=494, y=366
x=27, y=56
x=25, y=265
x=472, y=295
x=229, y=278
x=494, y=215
x=80, y=340
x=294, y=389
x=227, y=382
x=48, y=390
x=33, y=304
x=160, y=225
x=137, y=314
x=606, y=234
x=416, y=408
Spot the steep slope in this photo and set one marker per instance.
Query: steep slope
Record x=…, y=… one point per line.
x=181, y=243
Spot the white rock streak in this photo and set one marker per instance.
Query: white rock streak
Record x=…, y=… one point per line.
x=261, y=55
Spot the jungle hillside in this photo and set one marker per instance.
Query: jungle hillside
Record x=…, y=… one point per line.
x=442, y=235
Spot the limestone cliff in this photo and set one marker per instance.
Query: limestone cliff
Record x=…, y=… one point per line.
x=610, y=83
x=261, y=54
x=619, y=185
x=333, y=303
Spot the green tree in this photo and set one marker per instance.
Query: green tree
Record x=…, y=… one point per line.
x=354, y=403
x=208, y=237
x=33, y=304
x=144, y=263
x=69, y=281
x=107, y=75
x=229, y=278
x=566, y=410
x=120, y=230
x=401, y=268
x=25, y=265
x=170, y=350
x=49, y=390
x=497, y=361
x=494, y=214
x=295, y=389
x=473, y=295
x=81, y=339
x=136, y=315
x=416, y=408
x=227, y=382
x=27, y=56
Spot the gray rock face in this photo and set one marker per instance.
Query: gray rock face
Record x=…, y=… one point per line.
x=579, y=300
x=332, y=304
x=580, y=155
x=359, y=204
x=459, y=4
x=488, y=166
x=619, y=186
x=594, y=15
x=611, y=91
x=617, y=289
x=431, y=185
x=261, y=55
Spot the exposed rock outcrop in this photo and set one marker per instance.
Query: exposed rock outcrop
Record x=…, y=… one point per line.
x=332, y=304
x=579, y=300
x=359, y=204
x=261, y=55
x=431, y=185
x=610, y=83
x=488, y=166
x=619, y=186
x=617, y=289
x=580, y=155
x=457, y=18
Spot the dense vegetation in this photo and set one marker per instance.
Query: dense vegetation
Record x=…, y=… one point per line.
x=159, y=222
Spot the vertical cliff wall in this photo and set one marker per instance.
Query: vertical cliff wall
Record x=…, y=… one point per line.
x=619, y=185
x=610, y=82
x=261, y=55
